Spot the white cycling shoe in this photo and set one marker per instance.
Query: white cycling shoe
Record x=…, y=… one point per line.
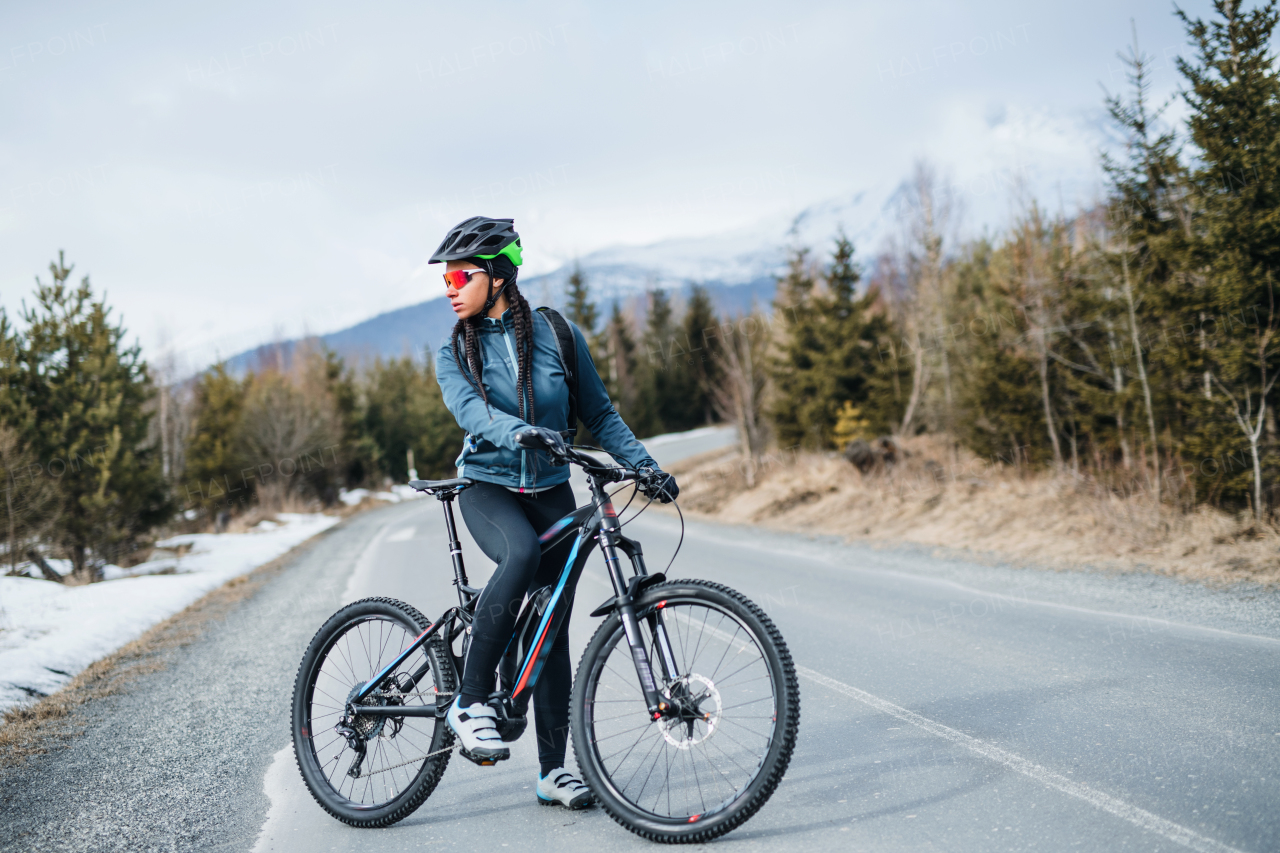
x=560, y=787
x=476, y=729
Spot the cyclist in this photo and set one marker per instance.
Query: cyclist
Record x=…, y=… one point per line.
x=501, y=373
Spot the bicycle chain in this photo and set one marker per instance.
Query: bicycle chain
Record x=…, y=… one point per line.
x=413, y=760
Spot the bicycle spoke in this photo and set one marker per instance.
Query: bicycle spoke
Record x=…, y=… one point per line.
x=727, y=647
x=393, y=757
x=640, y=765
x=628, y=731
x=715, y=772
x=681, y=767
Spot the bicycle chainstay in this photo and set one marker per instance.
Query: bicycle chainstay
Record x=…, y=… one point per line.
x=421, y=758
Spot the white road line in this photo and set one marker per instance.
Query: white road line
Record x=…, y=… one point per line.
x=366, y=564
x=826, y=560
x=1138, y=817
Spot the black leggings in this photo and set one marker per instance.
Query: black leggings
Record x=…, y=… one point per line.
x=506, y=526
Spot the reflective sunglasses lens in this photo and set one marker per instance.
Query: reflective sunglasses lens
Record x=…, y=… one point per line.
x=457, y=279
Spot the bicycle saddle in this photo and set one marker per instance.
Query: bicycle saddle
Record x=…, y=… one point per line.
x=433, y=486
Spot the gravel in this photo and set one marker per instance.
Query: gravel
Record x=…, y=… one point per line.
x=176, y=763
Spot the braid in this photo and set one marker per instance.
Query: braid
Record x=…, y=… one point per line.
x=474, y=371
x=523, y=321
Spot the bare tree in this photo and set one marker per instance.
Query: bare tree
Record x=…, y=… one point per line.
x=926, y=210
x=285, y=430
x=1252, y=423
x=739, y=396
x=173, y=408
x=1032, y=277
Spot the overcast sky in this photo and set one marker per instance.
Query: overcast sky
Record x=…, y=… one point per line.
x=230, y=172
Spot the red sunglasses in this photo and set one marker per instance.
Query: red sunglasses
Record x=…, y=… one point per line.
x=458, y=279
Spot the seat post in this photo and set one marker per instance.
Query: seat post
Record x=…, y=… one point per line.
x=455, y=547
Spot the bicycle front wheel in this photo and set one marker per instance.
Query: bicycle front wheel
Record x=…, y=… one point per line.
x=693, y=776
x=365, y=770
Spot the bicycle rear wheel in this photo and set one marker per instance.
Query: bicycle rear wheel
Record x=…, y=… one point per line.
x=371, y=771
x=696, y=776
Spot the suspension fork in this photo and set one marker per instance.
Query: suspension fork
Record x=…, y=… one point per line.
x=622, y=587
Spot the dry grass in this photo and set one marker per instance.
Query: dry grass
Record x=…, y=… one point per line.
x=34, y=729
x=941, y=496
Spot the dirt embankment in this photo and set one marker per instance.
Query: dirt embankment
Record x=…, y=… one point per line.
x=937, y=494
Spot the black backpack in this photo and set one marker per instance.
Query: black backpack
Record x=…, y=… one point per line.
x=567, y=346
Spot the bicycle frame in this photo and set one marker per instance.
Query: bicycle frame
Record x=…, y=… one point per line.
x=592, y=524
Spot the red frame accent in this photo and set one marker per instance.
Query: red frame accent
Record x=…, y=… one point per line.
x=533, y=660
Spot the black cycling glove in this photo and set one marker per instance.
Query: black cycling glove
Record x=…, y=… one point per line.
x=660, y=486
x=541, y=438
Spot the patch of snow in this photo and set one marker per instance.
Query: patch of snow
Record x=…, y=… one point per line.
x=50, y=632
x=31, y=570
x=397, y=493
x=353, y=497
x=405, y=492
x=675, y=437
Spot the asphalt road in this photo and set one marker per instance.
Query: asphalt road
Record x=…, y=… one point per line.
x=945, y=706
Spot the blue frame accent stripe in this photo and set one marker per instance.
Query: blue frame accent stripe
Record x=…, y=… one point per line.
x=551, y=607
x=557, y=527
x=413, y=647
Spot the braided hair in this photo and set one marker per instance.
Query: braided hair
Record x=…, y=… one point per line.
x=467, y=331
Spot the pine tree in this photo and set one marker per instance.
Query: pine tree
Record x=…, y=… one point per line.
x=89, y=392
x=797, y=404
x=356, y=458
x=29, y=496
x=406, y=410
x=214, y=478
x=831, y=354
x=620, y=370
x=583, y=313
x=657, y=402
x=1001, y=411
x=440, y=437
x=848, y=364
x=694, y=364
x=1234, y=96
x=582, y=310
x=1144, y=247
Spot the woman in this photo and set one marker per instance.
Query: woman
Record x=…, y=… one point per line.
x=501, y=374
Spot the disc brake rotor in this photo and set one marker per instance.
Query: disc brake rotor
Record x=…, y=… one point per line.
x=700, y=707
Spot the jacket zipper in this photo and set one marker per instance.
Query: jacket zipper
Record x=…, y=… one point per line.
x=515, y=371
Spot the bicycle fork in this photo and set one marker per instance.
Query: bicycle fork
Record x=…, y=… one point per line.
x=624, y=590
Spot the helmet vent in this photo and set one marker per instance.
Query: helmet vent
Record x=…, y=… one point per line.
x=478, y=235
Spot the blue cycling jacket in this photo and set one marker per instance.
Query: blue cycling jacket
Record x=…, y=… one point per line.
x=489, y=453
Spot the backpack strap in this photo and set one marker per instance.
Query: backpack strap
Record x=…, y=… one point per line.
x=567, y=346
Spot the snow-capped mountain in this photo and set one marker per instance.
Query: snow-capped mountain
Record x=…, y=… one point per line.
x=738, y=268
x=733, y=258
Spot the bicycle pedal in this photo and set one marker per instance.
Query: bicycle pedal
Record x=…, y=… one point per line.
x=483, y=760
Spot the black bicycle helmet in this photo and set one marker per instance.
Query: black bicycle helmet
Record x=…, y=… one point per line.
x=480, y=237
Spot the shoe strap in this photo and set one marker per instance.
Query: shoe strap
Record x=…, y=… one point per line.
x=573, y=780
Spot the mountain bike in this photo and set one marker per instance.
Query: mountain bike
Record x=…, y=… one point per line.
x=683, y=713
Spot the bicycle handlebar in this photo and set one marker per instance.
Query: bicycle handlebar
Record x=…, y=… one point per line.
x=545, y=439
